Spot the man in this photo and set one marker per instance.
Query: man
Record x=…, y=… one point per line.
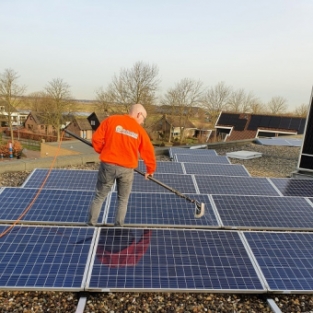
x=119, y=140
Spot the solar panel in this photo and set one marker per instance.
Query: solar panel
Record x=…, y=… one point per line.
x=182, y=183
x=62, y=179
x=219, y=159
x=235, y=185
x=295, y=142
x=294, y=187
x=51, y=206
x=170, y=260
x=215, y=169
x=159, y=209
x=285, y=213
x=173, y=151
x=279, y=142
x=45, y=258
x=164, y=167
x=286, y=259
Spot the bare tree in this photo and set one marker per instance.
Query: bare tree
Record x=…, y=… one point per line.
x=215, y=100
x=249, y=102
x=59, y=93
x=103, y=100
x=302, y=110
x=236, y=100
x=136, y=85
x=256, y=107
x=185, y=96
x=10, y=94
x=277, y=105
x=38, y=102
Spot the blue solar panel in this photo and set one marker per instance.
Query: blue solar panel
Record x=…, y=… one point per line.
x=286, y=259
x=215, y=169
x=63, y=179
x=173, y=151
x=182, y=183
x=51, y=206
x=235, y=185
x=279, y=142
x=285, y=213
x=201, y=159
x=52, y=258
x=169, y=260
x=294, y=187
x=164, y=167
x=163, y=209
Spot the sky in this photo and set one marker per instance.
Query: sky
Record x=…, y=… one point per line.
x=264, y=47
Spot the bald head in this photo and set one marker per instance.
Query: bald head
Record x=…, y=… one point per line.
x=138, y=112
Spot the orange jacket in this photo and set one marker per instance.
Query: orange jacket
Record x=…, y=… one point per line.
x=120, y=139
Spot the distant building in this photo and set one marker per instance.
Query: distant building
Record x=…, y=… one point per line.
x=170, y=128
x=17, y=117
x=80, y=127
x=95, y=119
x=238, y=126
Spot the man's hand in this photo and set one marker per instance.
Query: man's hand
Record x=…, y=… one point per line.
x=147, y=175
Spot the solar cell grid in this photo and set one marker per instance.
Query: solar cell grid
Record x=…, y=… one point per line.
x=215, y=169
x=49, y=258
x=157, y=209
x=235, y=185
x=183, y=183
x=169, y=260
x=173, y=151
x=286, y=259
x=164, y=167
x=263, y=212
x=62, y=179
x=294, y=187
x=201, y=159
x=50, y=206
x=280, y=141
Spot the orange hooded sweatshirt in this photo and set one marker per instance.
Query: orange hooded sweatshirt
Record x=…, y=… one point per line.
x=120, y=139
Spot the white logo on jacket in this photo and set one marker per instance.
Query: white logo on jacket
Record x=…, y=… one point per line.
x=119, y=129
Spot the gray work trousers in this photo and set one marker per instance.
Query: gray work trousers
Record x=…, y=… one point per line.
x=107, y=175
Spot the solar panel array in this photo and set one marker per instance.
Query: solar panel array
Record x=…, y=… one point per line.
x=285, y=259
x=176, y=151
x=50, y=258
x=62, y=179
x=183, y=183
x=50, y=206
x=159, y=209
x=162, y=246
x=235, y=185
x=215, y=169
x=294, y=187
x=171, y=259
x=255, y=212
x=218, y=159
x=280, y=142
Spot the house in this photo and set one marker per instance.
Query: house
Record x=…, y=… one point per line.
x=37, y=124
x=17, y=117
x=239, y=126
x=169, y=127
x=80, y=127
x=95, y=119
